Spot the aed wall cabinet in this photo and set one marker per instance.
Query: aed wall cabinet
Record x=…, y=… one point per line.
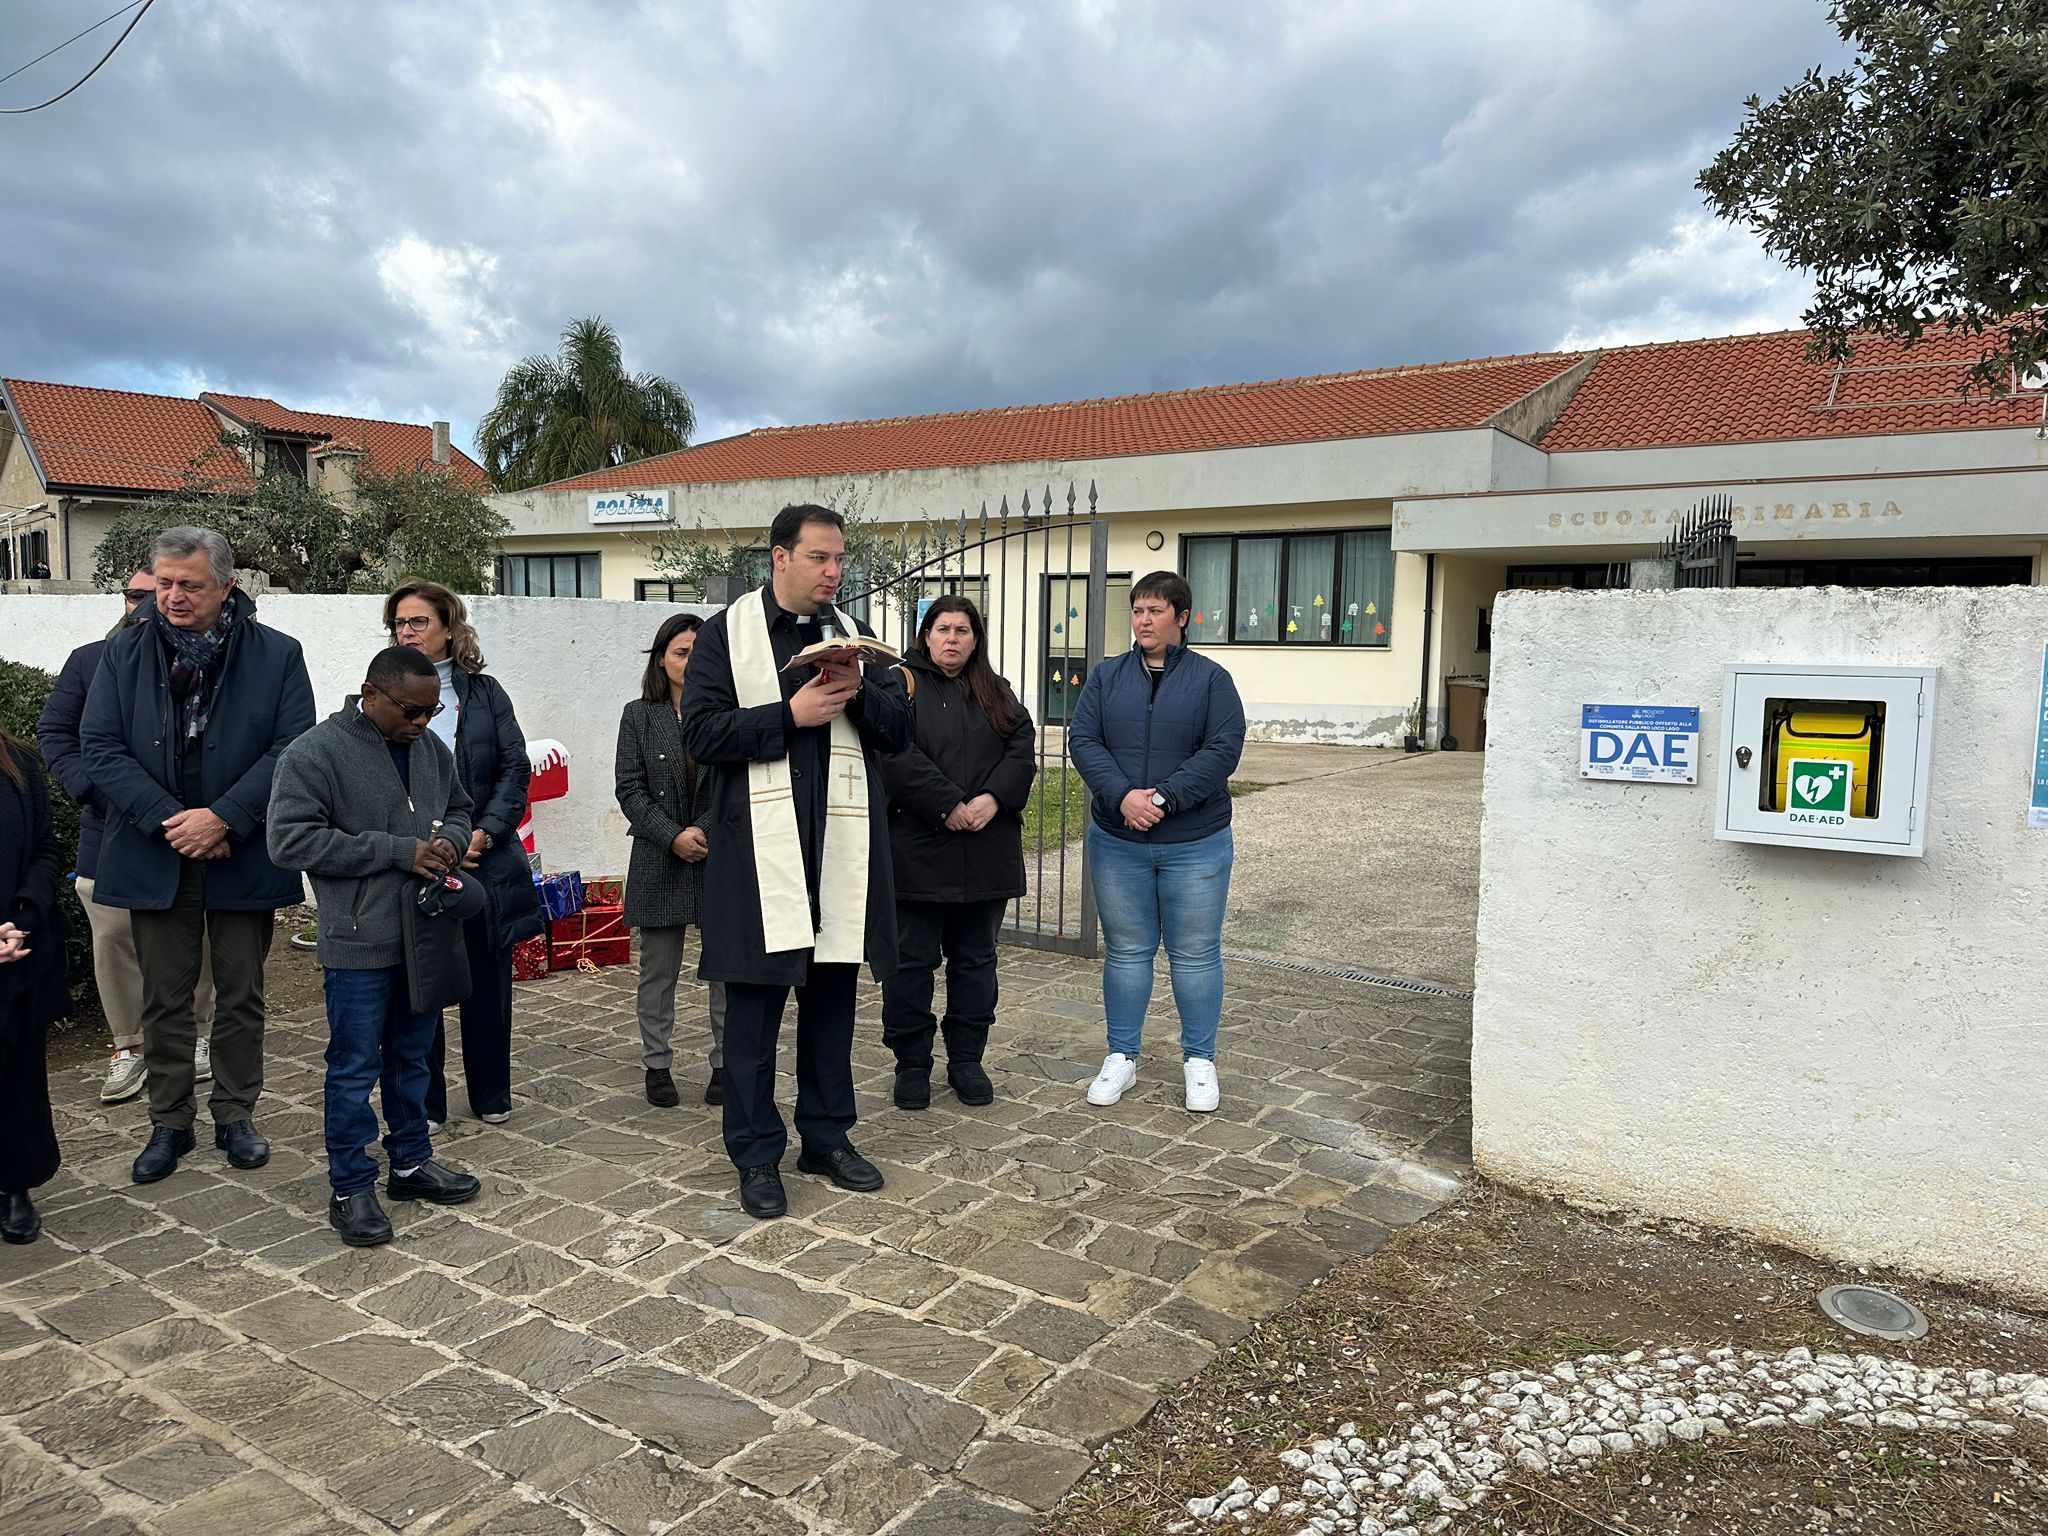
x=1826, y=757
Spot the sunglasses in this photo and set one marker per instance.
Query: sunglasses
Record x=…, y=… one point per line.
x=137, y=594
x=413, y=712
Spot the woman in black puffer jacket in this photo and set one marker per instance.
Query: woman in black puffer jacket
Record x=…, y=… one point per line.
x=956, y=812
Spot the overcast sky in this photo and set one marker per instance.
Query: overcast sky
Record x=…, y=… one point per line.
x=809, y=212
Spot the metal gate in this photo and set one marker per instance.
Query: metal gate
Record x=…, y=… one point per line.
x=1040, y=579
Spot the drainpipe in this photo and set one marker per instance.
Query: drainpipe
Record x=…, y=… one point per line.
x=1428, y=616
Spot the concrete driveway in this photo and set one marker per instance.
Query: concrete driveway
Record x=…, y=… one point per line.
x=1359, y=858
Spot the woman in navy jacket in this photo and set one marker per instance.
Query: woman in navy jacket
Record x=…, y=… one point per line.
x=1156, y=734
x=477, y=723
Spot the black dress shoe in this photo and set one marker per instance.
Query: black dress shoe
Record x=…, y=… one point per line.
x=761, y=1194
x=19, y=1222
x=714, y=1090
x=661, y=1088
x=913, y=1088
x=844, y=1167
x=970, y=1082
x=245, y=1149
x=159, y=1160
x=433, y=1181
x=359, y=1219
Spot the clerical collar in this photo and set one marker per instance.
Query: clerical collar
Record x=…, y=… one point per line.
x=776, y=613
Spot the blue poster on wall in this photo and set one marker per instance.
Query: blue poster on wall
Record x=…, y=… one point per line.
x=2037, y=808
x=924, y=606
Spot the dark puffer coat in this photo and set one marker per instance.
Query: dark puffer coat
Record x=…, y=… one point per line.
x=956, y=753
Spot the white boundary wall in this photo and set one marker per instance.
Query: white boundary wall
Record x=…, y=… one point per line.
x=569, y=664
x=1844, y=1053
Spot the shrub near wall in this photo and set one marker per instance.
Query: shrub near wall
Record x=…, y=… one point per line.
x=23, y=691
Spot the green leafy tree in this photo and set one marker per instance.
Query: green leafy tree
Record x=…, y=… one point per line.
x=579, y=411
x=876, y=553
x=423, y=521
x=1914, y=184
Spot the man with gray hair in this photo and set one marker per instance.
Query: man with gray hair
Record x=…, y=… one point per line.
x=183, y=726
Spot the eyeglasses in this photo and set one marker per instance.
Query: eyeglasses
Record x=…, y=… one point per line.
x=407, y=626
x=414, y=712
x=137, y=594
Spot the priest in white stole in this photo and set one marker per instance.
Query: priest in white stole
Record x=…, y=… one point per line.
x=799, y=888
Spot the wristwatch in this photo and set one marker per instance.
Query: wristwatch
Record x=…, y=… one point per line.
x=490, y=842
x=1158, y=799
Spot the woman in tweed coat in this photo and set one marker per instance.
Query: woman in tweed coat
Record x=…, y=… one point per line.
x=668, y=802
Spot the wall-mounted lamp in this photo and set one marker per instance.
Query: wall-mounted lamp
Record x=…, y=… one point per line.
x=1155, y=540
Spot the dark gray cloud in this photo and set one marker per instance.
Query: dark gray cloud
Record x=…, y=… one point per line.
x=806, y=212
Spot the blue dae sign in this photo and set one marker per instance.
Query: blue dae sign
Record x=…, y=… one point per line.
x=629, y=507
x=1645, y=743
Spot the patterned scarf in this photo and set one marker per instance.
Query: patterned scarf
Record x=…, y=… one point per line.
x=196, y=657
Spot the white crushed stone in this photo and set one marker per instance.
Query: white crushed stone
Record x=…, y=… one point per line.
x=1460, y=1444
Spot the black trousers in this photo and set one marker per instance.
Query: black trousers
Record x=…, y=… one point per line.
x=754, y=1133
x=964, y=934
x=169, y=945
x=486, y=1030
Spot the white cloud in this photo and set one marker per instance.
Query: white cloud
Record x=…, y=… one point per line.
x=1704, y=279
x=449, y=287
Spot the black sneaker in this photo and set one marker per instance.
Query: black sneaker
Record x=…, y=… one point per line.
x=913, y=1088
x=761, y=1192
x=434, y=1181
x=714, y=1089
x=159, y=1160
x=970, y=1082
x=661, y=1088
x=844, y=1167
x=245, y=1149
x=359, y=1219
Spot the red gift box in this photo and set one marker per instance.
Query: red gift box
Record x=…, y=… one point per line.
x=604, y=891
x=596, y=934
x=530, y=958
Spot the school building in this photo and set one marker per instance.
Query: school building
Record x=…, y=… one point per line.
x=1345, y=536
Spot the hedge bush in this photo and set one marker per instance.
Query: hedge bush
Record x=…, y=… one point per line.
x=23, y=691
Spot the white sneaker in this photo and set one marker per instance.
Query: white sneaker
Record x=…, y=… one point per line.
x=496, y=1117
x=1203, y=1096
x=202, y=1059
x=1114, y=1080
x=126, y=1074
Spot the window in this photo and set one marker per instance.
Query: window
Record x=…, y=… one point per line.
x=1065, y=632
x=1924, y=571
x=285, y=456
x=548, y=576
x=1332, y=588
x=1565, y=578
x=665, y=592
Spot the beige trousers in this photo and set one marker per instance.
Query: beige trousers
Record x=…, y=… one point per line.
x=118, y=973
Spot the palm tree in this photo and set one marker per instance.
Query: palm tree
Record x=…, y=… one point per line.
x=579, y=411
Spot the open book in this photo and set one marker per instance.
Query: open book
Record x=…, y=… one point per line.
x=841, y=648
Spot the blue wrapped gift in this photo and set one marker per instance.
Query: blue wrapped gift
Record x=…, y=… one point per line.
x=561, y=894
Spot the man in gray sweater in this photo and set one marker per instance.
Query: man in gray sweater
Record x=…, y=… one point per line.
x=369, y=804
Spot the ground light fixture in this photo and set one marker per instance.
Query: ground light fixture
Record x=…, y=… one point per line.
x=1866, y=1309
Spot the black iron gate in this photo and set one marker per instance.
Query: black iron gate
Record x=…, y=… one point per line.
x=1701, y=548
x=1040, y=579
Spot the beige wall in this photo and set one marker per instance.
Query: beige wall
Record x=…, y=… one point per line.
x=1291, y=693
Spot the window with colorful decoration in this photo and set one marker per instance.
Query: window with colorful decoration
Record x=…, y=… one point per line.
x=1334, y=588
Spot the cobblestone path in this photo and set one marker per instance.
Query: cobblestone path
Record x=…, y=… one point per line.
x=602, y=1342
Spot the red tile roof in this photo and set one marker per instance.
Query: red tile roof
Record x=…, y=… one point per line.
x=1753, y=389
x=1438, y=397
x=110, y=439
x=388, y=446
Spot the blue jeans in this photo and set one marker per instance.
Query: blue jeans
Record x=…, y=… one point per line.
x=374, y=1038
x=1149, y=893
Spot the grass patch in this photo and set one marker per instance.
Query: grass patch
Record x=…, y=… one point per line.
x=1059, y=784
x=1239, y=788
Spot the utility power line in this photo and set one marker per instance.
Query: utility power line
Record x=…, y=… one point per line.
x=21, y=111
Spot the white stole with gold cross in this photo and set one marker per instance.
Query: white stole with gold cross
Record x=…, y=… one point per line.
x=841, y=937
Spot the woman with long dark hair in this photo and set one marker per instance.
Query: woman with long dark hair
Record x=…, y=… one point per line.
x=477, y=723
x=956, y=808
x=668, y=803
x=31, y=985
